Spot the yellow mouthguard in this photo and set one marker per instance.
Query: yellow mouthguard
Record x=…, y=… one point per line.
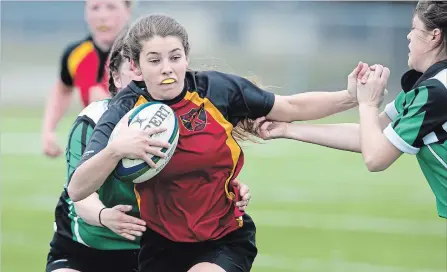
x=168, y=81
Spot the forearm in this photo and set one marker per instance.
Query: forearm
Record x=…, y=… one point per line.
x=371, y=136
x=337, y=136
x=90, y=176
x=57, y=105
x=89, y=208
x=317, y=105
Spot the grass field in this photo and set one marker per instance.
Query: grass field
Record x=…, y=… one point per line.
x=316, y=209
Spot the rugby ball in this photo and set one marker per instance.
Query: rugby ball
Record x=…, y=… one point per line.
x=143, y=117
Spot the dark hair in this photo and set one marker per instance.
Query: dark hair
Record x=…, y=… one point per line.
x=434, y=15
x=116, y=58
x=146, y=28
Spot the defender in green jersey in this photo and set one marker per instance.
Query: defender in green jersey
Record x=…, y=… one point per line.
x=414, y=123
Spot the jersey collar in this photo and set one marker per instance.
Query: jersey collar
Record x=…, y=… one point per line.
x=412, y=78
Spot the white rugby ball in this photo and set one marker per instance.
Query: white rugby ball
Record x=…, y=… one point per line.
x=151, y=114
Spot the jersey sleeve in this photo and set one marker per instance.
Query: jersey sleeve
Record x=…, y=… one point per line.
x=245, y=99
x=103, y=130
x=79, y=136
x=422, y=113
x=393, y=108
x=64, y=74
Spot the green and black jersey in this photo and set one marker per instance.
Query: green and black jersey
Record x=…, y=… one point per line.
x=113, y=192
x=419, y=126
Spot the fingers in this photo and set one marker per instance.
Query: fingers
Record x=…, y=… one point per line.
x=154, y=151
x=356, y=70
x=377, y=73
x=158, y=143
x=244, y=191
x=148, y=160
x=243, y=204
x=132, y=233
x=123, y=208
x=364, y=69
x=154, y=130
x=133, y=227
x=127, y=236
x=265, y=126
x=236, y=183
x=385, y=74
x=258, y=122
x=365, y=76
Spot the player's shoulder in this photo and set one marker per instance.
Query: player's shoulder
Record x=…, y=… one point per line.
x=214, y=82
x=435, y=87
x=95, y=110
x=124, y=101
x=220, y=77
x=80, y=44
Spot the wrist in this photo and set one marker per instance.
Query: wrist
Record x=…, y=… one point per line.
x=113, y=151
x=101, y=216
x=286, y=132
x=368, y=105
x=350, y=99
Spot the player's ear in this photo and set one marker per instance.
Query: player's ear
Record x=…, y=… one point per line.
x=135, y=68
x=116, y=80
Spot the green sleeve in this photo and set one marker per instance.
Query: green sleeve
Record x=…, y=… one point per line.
x=422, y=113
x=78, y=138
x=396, y=106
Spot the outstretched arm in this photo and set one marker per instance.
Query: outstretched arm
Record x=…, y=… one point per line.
x=317, y=105
x=338, y=136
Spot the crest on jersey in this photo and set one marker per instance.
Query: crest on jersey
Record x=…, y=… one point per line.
x=195, y=119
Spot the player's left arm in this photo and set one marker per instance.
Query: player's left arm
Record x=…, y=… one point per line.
x=406, y=133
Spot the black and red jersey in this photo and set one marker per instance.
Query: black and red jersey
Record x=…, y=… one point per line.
x=83, y=66
x=192, y=199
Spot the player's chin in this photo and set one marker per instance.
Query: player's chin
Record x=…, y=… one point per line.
x=106, y=37
x=168, y=92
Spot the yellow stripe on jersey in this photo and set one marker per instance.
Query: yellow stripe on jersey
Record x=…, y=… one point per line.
x=230, y=142
x=77, y=55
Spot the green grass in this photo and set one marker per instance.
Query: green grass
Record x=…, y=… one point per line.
x=316, y=209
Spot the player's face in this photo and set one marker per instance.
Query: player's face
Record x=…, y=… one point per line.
x=125, y=75
x=105, y=19
x=421, y=43
x=163, y=65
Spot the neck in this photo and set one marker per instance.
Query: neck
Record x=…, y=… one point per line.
x=104, y=47
x=435, y=58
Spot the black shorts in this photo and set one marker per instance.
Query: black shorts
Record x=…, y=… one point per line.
x=66, y=253
x=235, y=252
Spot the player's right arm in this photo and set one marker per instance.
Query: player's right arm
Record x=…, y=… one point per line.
x=101, y=158
x=57, y=104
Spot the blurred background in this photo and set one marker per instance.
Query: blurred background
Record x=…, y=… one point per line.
x=316, y=209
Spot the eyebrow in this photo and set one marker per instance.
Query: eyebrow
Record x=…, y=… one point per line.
x=157, y=53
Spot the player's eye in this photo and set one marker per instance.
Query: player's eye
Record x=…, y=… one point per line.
x=111, y=6
x=94, y=7
x=175, y=58
x=154, y=61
